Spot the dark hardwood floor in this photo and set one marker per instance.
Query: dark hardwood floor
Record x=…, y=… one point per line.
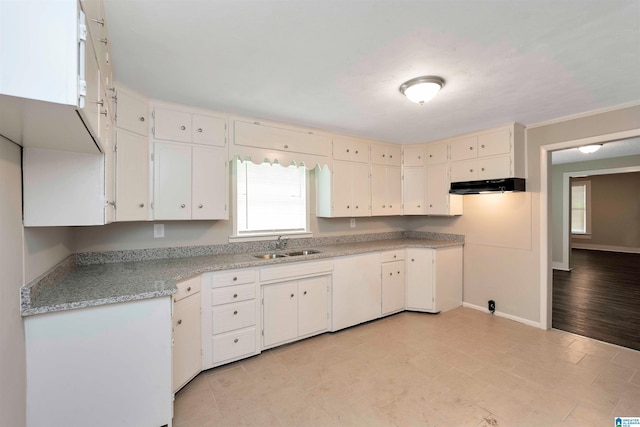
x=600, y=297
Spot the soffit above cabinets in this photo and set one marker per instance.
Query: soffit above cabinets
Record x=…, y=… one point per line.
x=337, y=66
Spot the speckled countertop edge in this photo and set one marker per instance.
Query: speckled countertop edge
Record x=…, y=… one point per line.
x=69, y=286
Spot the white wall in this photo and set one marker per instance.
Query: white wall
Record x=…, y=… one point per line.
x=44, y=247
x=12, y=347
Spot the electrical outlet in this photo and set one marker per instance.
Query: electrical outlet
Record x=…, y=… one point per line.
x=353, y=223
x=492, y=306
x=158, y=230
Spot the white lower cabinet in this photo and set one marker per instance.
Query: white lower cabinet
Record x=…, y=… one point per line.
x=100, y=366
x=229, y=317
x=295, y=301
x=434, y=279
x=393, y=282
x=186, y=332
x=356, y=290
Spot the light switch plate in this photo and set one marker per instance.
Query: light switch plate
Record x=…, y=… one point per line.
x=158, y=230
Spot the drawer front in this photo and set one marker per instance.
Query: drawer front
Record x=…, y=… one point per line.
x=232, y=278
x=232, y=294
x=393, y=256
x=229, y=317
x=234, y=344
x=186, y=288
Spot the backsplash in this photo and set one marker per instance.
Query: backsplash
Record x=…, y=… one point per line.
x=88, y=258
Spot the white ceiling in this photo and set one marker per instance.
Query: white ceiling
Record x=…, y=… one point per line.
x=624, y=147
x=337, y=65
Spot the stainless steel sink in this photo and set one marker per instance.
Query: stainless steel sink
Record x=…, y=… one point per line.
x=270, y=256
x=304, y=252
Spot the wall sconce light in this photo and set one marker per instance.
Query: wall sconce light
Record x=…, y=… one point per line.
x=422, y=89
x=588, y=149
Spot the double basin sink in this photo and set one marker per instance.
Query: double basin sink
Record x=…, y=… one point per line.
x=275, y=255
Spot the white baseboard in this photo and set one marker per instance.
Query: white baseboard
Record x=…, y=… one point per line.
x=505, y=315
x=607, y=248
x=560, y=266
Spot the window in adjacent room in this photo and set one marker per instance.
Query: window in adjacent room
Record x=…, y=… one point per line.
x=270, y=199
x=581, y=207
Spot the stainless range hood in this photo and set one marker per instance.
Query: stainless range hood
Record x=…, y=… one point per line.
x=488, y=186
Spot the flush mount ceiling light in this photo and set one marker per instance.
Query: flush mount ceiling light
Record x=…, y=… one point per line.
x=588, y=149
x=422, y=89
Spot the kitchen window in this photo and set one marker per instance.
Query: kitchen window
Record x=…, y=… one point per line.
x=270, y=199
x=581, y=208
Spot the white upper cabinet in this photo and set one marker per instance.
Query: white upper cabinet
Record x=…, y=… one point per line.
x=53, y=76
x=436, y=153
x=464, y=148
x=413, y=191
x=344, y=191
x=274, y=136
x=172, y=181
x=386, y=190
x=351, y=149
x=132, y=112
x=182, y=124
x=439, y=201
x=494, y=143
x=413, y=155
x=386, y=154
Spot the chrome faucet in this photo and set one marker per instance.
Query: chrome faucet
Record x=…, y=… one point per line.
x=281, y=243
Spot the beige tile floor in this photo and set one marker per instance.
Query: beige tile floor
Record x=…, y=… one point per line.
x=459, y=368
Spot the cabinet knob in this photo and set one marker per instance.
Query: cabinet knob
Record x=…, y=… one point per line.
x=470, y=170
x=398, y=272
x=236, y=340
x=286, y=146
x=141, y=119
x=391, y=156
x=390, y=274
x=292, y=295
x=356, y=206
x=235, y=279
x=347, y=150
x=200, y=130
x=482, y=169
x=235, y=312
x=200, y=206
x=482, y=146
x=182, y=128
x=182, y=205
x=305, y=292
x=104, y=113
x=141, y=205
x=419, y=206
x=356, y=151
x=384, y=206
x=348, y=206
x=430, y=155
x=189, y=289
x=471, y=148
x=412, y=260
x=390, y=206
x=419, y=157
x=179, y=322
x=430, y=206
x=235, y=295
x=383, y=155
x=104, y=40
x=395, y=256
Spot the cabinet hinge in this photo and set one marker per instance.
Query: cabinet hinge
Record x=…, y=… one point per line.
x=152, y=157
x=263, y=332
x=82, y=27
x=153, y=114
x=115, y=148
x=151, y=205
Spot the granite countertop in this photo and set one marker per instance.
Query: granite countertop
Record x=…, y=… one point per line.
x=108, y=283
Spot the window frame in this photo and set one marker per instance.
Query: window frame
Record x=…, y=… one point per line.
x=270, y=235
x=587, y=189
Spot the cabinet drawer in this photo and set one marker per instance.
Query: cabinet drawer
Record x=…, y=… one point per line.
x=186, y=288
x=233, y=278
x=393, y=256
x=232, y=294
x=229, y=317
x=234, y=344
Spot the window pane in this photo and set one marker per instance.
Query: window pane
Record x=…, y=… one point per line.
x=578, y=209
x=271, y=198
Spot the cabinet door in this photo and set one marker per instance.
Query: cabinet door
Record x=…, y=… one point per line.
x=495, y=168
x=436, y=153
x=172, y=125
x=394, y=190
x=132, y=113
x=356, y=290
x=359, y=189
x=342, y=148
x=378, y=154
x=394, y=155
x=437, y=190
x=340, y=183
x=91, y=104
x=279, y=313
x=379, y=204
x=209, y=183
x=464, y=171
x=414, y=191
x=132, y=177
x=360, y=151
x=172, y=181
x=393, y=286
x=209, y=130
x=414, y=156
x=463, y=149
x=109, y=145
x=313, y=305
x=420, y=284
x=186, y=340
x=494, y=143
